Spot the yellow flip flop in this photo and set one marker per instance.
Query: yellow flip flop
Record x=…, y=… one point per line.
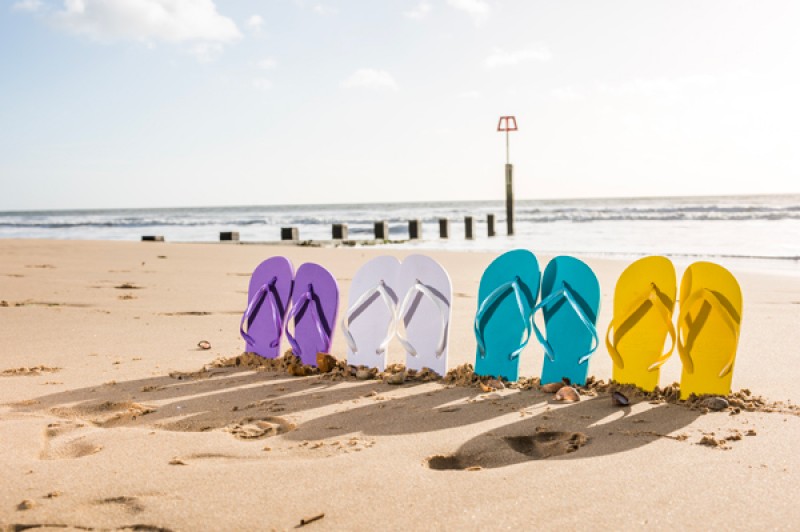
x=708, y=329
x=644, y=300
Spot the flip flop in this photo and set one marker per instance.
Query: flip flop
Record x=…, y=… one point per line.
x=570, y=302
x=370, y=321
x=423, y=317
x=644, y=300
x=708, y=329
x=267, y=302
x=315, y=302
x=506, y=297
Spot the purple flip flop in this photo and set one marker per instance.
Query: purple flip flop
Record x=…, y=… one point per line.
x=267, y=303
x=315, y=302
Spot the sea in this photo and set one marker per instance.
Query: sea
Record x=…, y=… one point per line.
x=760, y=231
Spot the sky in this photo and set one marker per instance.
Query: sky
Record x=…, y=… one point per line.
x=159, y=103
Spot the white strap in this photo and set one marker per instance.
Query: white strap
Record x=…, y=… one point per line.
x=380, y=288
x=443, y=315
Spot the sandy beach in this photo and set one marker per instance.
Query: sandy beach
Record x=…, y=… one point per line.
x=107, y=422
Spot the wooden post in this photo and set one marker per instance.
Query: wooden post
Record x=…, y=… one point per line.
x=490, y=225
x=290, y=233
x=510, y=198
x=414, y=229
x=153, y=238
x=229, y=235
x=444, y=228
x=469, y=227
x=382, y=230
x=339, y=232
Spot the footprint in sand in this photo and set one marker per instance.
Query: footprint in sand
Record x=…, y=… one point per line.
x=68, y=440
x=106, y=414
x=496, y=451
x=256, y=429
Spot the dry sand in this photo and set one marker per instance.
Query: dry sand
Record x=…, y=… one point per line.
x=100, y=428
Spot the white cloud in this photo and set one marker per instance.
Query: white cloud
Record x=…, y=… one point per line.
x=420, y=11
x=477, y=9
x=174, y=21
x=501, y=58
x=262, y=84
x=370, y=79
x=267, y=63
x=255, y=22
x=657, y=85
x=320, y=9
x=27, y=5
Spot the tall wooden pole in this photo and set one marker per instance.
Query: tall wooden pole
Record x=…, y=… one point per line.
x=508, y=124
x=510, y=198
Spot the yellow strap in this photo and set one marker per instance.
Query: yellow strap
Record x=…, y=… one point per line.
x=711, y=297
x=666, y=316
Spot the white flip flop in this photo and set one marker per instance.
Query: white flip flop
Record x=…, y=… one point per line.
x=370, y=320
x=423, y=315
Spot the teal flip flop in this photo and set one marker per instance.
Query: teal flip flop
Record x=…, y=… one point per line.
x=570, y=304
x=506, y=298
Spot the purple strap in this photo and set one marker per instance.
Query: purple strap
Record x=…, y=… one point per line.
x=258, y=298
x=298, y=305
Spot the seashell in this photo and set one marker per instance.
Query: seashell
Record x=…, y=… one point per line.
x=567, y=394
x=325, y=362
x=715, y=403
x=619, y=399
x=552, y=387
x=363, y=374
x=485, y=388
x=204, y=344
x=396, y=378
x=497, y=384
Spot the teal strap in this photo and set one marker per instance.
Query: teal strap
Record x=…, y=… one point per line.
x=498, y=293
x=566, y=292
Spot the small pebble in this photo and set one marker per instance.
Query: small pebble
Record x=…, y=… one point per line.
x=396, y=378
x=715, y=403
x=363, y=374
x=204, y=344
x=27, y=504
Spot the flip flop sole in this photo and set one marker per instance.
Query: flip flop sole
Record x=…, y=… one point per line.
x=642, y=344
x=320, y=282
x=567, y=335
x=713, y=343
x=369, y=322
x=425, y=320
x=503, y=327
x=261, y=325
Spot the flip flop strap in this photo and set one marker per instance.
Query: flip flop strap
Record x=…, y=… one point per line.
x=262, y=293
x=419, y=287
x=567, y=293
x=495, y=295
x=301, y=303
x=380, y=289
x=663, y=312
x=699, y=297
